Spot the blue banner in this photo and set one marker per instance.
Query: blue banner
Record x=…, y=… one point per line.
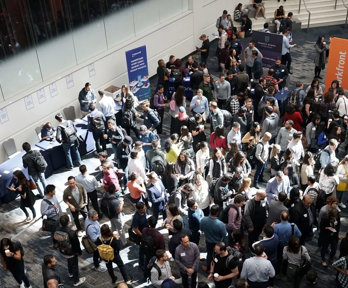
x=270, y=45
x=138, y=73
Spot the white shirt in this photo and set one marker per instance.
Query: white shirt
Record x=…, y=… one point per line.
x=88, y=181
x=107, y=106
x=135, y=165
x=201, y=159
x=342, y=106
x=297, y=149
x=286, y=45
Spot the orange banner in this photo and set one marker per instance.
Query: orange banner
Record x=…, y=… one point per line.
x=337, y=67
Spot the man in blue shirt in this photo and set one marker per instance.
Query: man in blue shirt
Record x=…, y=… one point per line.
x=195, y=216
x=146, y=136
x=286, y=57
x=214, y=231
x=284, y=229
x=199, y=104
x=86, y=97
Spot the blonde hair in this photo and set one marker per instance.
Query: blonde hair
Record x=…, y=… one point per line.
x=344, y=160
x=275, y=150
x=246, y=183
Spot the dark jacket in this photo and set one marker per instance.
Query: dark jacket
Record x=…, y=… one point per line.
x=158, y=201
x=29, y=199
x=49, y=273
x=117, y=135
x=29, y=161
x=74, y=240
x=175, y=240
x=196, y=78
x=299, y=215
x=150, y=119
x=249, y=213
x=122, y=153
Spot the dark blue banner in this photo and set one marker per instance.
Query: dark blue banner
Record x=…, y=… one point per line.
x=270, y=45
x=138, y=73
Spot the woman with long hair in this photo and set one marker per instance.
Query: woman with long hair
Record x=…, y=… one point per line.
x=320, y=56
x=163, y=75
x=201, y=193
x=172, y=214
x=245, y=189
x=335, y=88
x=172, y=148
x=187, y=140
x=295, y=253
x=328, y=180
x=197, y=130
x=326, y=105
x=12, y=260
x=342, y=187
x=252, y=137
x=217, y=139
x=307, y=169
x=184, y=168
x=279, y=15
x=239, y=160
x=276, y=162
x=176, y=102
x=319, y=91
x=233, y=148
x=169, y=179
x=21, y=185
x=217, y=165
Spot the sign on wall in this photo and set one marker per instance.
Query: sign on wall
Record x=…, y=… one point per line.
x=337, y=66
x=270, y=45
x=138, y=74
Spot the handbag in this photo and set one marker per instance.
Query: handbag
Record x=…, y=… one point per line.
x=32, y=185
x=305, y=265
x=49, y=225
x=133, y=236
x=89, y=245
x=342, y=186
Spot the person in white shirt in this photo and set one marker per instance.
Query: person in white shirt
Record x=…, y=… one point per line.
x=296, y=148
x=91, y=185
x=107, y=106
x=234, y=134
x=286, y=57
x=202, y=157
x=342, y=103
x=342, y=187
x=135, y=165
x=201, y=194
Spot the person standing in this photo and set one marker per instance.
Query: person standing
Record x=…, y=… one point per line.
x=159, y=103
x=341, y=266
x=36, y=164
x=48, y=269
x=67, y=135
x=285, y=135
x=187, y=258
x=261, y=155
x=206, y=87
x=286, y=57
x=115, y=134
x=225, y=269
x=195, y=216
x=280, y=73
x=158, y=195
x=258, y=270
x=86, y=97
x=204, y=48
x=199, y=104
x=72, y=252
x=110, y=177
x=96, y=124
x=107, y=106
x=91, y=185
x=223, y=91
x=248, y=58
x=320, y=56
x=12, y=260
x=214, y=231
x=151, y=120
x=75, y=196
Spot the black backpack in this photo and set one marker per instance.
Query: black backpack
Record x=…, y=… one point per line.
x=317, y=165
x=105, y=208
x=40, y=163
x=177, y=75
x=152, y=264
x=212, y=186
x=157, y=165
x=98, y=124
x=127, y=118
x=69, y=132
x=147, y=244
x=235, y=258
x=224, y=215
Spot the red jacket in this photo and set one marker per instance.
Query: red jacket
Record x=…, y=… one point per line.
x=297, y=118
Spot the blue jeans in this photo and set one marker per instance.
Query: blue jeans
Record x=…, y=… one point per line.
x=41, y=177
x=71, y=148
x=260, y=167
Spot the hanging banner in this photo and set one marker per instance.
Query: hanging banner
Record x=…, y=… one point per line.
x=270, y=45
x=138, y=74
x=337, y=66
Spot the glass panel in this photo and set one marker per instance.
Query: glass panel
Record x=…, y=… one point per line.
x=169, y=8
x=56, y=55
x=146, y=15
x=185, y=5
x=19, y=73
x=122, y=18
x=89, y=40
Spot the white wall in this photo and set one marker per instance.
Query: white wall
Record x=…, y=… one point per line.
x=178, y=37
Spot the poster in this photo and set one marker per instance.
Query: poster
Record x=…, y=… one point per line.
x=41, y=97
x=53, y=89
x=337, y=66
x=69, y=81
x=3, y=115
x=138, y=74
x=270, y=45
x=28, y=102
x=91, y=70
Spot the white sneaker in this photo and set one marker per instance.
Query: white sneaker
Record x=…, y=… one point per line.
x=79, y=233
x=28, y=219
x=100, y=269
x=342, y=205
x=22, y=285
x=81, y=280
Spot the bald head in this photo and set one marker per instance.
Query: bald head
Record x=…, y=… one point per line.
x=307, y=200
x=260, y=195
x=122, y=285
x=284, y=216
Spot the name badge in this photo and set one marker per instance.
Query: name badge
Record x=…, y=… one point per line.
x=305, y=215
x=145, y=117
x=215, y=260
x=283, y=70
x=183, y=254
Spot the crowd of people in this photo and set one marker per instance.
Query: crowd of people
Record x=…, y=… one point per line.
x=205, y=183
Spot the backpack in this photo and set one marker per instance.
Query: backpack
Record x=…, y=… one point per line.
x=251, y=154
x=127, y=118
x=224, y=215
x=212, y=186
x=69, y=132
x=317, y=165
x=235, y=257
x=63, y=242
x=152, y=264
x=147, y=244
x=106, y=252
x=295, y=97
x=171, y=198
x=157, y=165
x=105, y=208
x=89, y=245
x=155, y=112
x=283, y=26
x=98, y=124
x=177, y=75
x=40, y=163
